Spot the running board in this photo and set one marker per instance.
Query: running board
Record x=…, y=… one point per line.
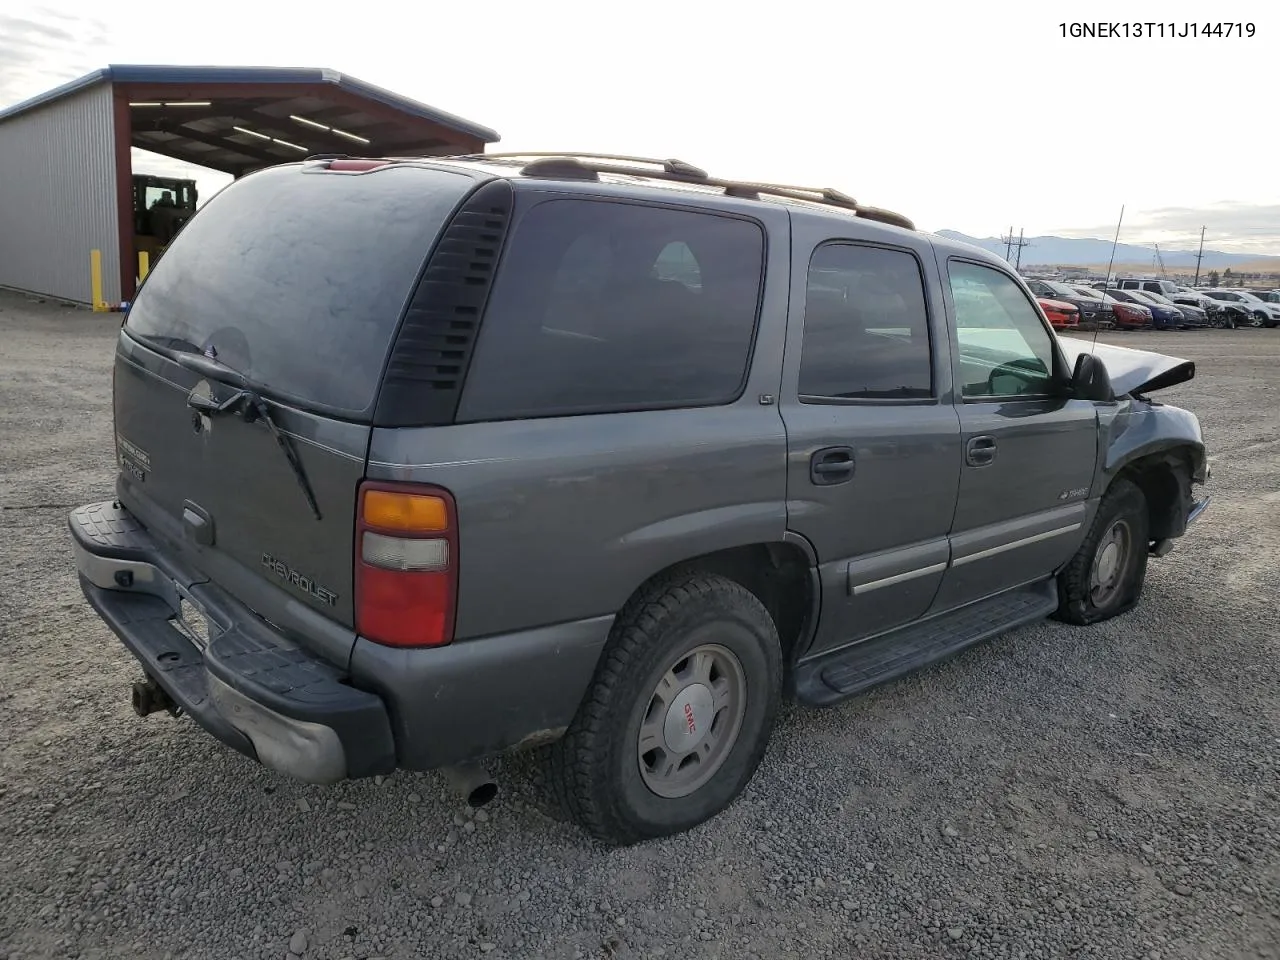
x=831, y=677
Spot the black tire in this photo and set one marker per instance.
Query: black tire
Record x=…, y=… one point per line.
x=1080, y=602
x=595, y=769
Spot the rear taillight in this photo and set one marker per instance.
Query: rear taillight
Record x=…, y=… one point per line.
x=406, y=563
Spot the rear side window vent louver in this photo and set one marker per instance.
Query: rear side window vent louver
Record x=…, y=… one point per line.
x=433, y=347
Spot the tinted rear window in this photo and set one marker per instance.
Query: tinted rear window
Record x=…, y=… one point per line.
x=866, y=328
x=604, y=306
x=298, y=280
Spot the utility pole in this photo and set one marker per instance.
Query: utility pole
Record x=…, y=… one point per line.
x=1021, y=243
x=1010, y=243
x=1199, y=257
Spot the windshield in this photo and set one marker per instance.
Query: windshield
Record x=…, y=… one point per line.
x=1250, y=297
x=297, y=280
x=1088, y=292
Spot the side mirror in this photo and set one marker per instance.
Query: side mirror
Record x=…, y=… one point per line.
x=1090, y=380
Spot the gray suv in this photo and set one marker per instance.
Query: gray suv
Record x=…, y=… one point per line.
x=426, y=460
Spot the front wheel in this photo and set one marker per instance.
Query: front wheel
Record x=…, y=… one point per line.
x=1106, y=576
x=678, y=716
x=1257, y=320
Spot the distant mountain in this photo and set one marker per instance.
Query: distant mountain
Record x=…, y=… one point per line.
x=1067, y=251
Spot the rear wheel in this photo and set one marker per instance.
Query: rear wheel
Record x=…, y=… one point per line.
x=1106, y=576
x=678, y=715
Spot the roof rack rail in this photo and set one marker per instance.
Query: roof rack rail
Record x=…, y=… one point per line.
x=671, y=167
x=588, y=166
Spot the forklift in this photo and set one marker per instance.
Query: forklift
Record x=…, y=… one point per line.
x=161, y=205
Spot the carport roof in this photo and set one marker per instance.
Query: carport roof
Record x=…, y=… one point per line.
x=239, y=118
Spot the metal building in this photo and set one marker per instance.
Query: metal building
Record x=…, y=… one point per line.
x=67, y=183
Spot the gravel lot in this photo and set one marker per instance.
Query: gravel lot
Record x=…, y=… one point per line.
x=1111, y=791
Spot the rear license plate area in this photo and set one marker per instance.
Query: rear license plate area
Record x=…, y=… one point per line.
x=192, y=623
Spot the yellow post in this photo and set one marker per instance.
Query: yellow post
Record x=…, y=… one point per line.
x=95, y=277
x=144, y=265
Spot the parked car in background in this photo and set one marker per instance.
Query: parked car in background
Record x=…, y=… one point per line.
x=1218, y=313
x=1162, y=317
x=1060, y=314
x=1128, y=316
x=1266, y=296
x=1148, y=284
x=1191, y=316
x=1261, y=313
x=1094, y=314
x=1198, y=298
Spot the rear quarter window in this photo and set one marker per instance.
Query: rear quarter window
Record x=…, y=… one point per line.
x=600, y=306
x=298, y=279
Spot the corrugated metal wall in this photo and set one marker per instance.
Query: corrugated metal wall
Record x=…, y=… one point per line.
x=58, y=197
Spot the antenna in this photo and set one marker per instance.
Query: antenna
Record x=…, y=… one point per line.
x=1107, y=283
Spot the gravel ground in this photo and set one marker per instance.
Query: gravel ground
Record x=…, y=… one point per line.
x=1110, y=791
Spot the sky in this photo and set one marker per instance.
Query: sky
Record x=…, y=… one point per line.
x=974, y=117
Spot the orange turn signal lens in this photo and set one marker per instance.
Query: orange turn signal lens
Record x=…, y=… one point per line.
x=405, y=512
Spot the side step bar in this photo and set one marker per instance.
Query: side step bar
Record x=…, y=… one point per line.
x=834, y=676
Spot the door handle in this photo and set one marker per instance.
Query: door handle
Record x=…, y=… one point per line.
x=831, y=465
x=198, y=523
x=980, y=451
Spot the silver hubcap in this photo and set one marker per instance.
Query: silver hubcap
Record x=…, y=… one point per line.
x=1109, y=563
x=692, y=721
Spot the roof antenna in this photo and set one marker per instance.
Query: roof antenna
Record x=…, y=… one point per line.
x=1107, y=281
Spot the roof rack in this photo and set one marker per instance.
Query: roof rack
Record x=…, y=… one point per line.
x=676, y=169
x=588, y=166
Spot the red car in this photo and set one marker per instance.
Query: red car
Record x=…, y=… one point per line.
x=1062, y=315
x=1131, y=316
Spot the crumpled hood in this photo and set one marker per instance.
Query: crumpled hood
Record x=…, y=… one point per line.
x=1132, y=371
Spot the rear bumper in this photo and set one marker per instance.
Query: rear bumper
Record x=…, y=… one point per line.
x=248, y=685
x=263, y=694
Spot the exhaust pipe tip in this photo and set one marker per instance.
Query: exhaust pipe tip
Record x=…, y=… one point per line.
x=472, y=782
x=482, y=794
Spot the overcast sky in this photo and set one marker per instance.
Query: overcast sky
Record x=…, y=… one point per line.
x=972, y=116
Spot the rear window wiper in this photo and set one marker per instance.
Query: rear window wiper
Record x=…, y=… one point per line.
x=249, y=404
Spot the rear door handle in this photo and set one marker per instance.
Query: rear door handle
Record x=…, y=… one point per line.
x=980, y=451
x=198, y=522
x=831, y=465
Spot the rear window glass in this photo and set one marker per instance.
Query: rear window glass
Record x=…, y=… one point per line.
x=866, y=328
x=603, y=306
x=297, y=280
